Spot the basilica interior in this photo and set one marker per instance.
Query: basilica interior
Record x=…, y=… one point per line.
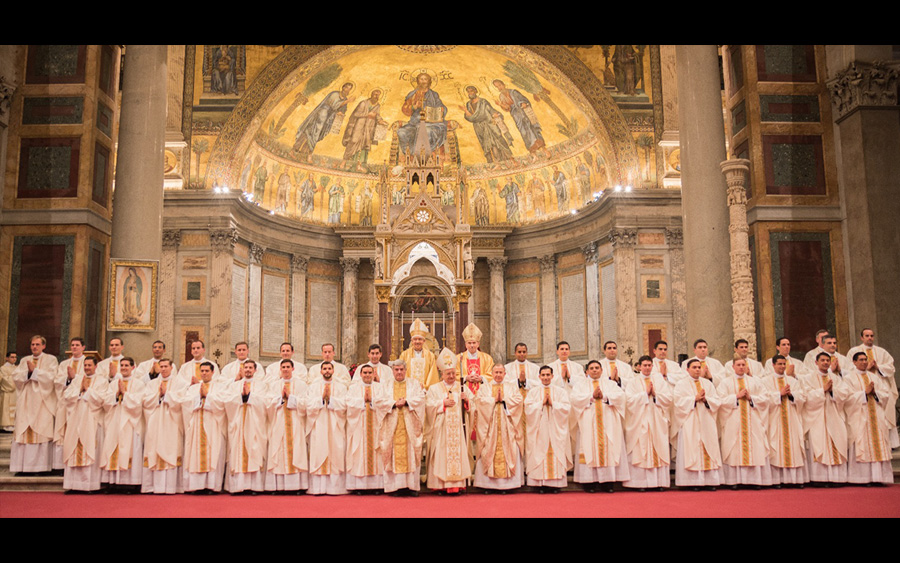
x=334, y=193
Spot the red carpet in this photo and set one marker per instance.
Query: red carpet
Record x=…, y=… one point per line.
x=846, y=502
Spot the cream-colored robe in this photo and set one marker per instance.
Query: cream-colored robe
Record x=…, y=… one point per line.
x=448, y=448
x=715, y=367
x=731, y=427
x=785, y=422
x=499, y=445
x=364, y=421
x=205, y=428
x=246, y=426
x=697, y=425
x=123, y=424
x=287, y=453
x=191, y=368
x=647, y=421
x=613, y=407
x=824, y=418
x=423, y=369
x=886, y=371
x=62, y=376
x=341, y=373
x=85, y=413
x=36, y=402
x=164, y=424
x=412, y=416
x=326, y=427
x=7, y=394
x=547, y=440
x=867, y=425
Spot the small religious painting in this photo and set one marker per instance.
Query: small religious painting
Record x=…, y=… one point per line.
x=132, y=295
x=423, y=299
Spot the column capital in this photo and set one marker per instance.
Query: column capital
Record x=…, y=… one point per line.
x=256, y=253
x=463, y=293
x=299, y=264
x=620, y=238
x=674, y=237
x=497, y=263
x=864, y=84
x=590, y=253
x=548, y=263
x=350, y=265
x=7, y=89
x=171, y=238
x=222, y=240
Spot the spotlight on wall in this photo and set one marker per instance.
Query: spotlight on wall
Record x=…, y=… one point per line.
x=618, y=188
x=627, y=188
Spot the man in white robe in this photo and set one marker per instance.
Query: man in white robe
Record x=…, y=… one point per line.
x=365, y=465
x=526, y=374
x=32, y=446
x=84, y=398
x=475, y=370
x=881, y=363
x=148, y=370
x=233, y=370
x=421, y=362
x=109, y=367
x=670, y=371
x=825, y=423
x=287, y=461
x=840, y=364
x=613, y=367
x=189, y=372
x=245, y=406
x=382, y=371
x=787, y=453
x=499, y=464
x=565, y=375
x=698, y=459
x=7, y=393
x=742, y=350
x=548, y=446
x=273, y=372
x=326, y=419
x=340, y=372
x=402, y=431
x=809, y=360
x=446, y=435
x=743, y=415
x=205, y=430
x=794, y=367
x=123, y=427
x=710, y=368
x=164, y=431
x=601, y=459
x=648, y=405
x=65, y=375
x=869, y=455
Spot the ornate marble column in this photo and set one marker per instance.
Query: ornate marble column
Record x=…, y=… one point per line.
x=254, y=307
x=742, y=307
x=549, y=330
x=498, y=308
x=623, y=242
x=592, y=291
x=299, y=265
x=678, y=343
x=138, y=197
x=168, y=268
x=461, y=302
x=705, y=212
x=867, y=139
x=7, y=89
x=383, y=296
x=349, y=310
x=222, y=242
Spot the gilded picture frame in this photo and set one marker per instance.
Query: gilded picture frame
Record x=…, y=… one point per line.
x=133, y=292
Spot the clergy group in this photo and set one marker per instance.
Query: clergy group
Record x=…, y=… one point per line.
x=453, y=422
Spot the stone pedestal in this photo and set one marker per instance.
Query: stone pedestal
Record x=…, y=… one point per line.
x=138, y=198
x=705, y=213
x=742, y=307
x=498, y=308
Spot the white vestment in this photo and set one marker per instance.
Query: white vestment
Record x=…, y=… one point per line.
x=326, y=427
x=716, y=369
x=825, y=424
x=341, y=373
x=547, y=442
x=885, y=366
x=446, y=436
x=365, y=465
x=163, y=435
x=230, y=372
x=142, y=371
x=743, y=436
x=191, y=368
x=205, y=430
x=273, y=372
x=647, y=431
x=600, y=454
x=246, y=435
x=123, y=439
x=32, y=446
x=499, y=463
x=83, y=440
x=402, y=432
x=287, y=459
x=59, y=423
x=869, y=457
x=699, y=457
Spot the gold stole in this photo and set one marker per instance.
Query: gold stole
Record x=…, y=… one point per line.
x=417, y=367
x=325, y=469
x=707, y=461
x=114, y=458
x=79, y=447
x=601, y=431
x=197, y=370
x=874, y=432
x=370, y=430
x=245, y=455
x=835, y=455
x=401, y=439
x=501, y=469
x=744, y=406
x=551, y=460
x=161, y=464
x=786, y=454
x=288, y=433
x=522, y=391
x=647, y=383
x=204, y=440
x=453, y=431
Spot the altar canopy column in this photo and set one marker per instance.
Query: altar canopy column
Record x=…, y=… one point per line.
x=498, y=308
x=383, y=296
x=863, y=83
x=350, y=311
x=299, y=265
x=704, y=209
x=138, y=198
x=222, y=242
x=741, y=275
x=592, y=290
x=548, y=307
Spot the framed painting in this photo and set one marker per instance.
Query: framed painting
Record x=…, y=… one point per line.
x=133, y=288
